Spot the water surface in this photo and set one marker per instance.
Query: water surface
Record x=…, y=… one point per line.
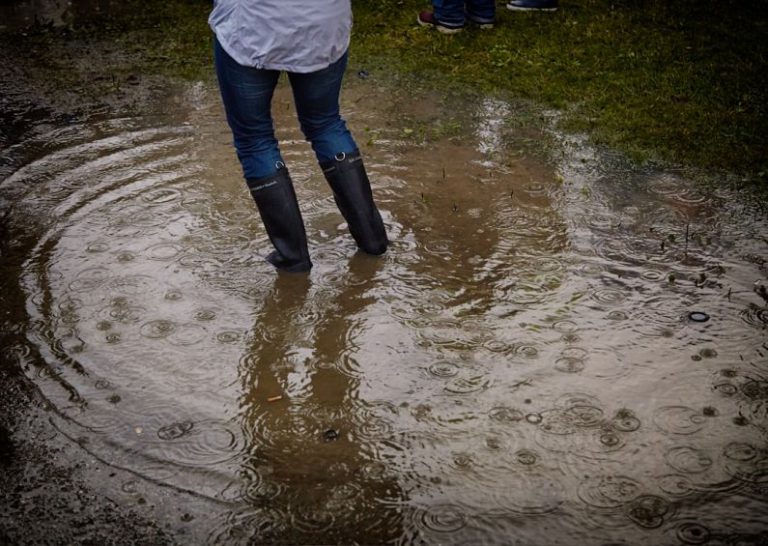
x=521, y=367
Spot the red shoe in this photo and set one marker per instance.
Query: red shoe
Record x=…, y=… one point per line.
x=427, y=19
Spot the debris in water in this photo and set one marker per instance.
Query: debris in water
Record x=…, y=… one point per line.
x=698, y=316
x=761, y=290
x=275, y=398
x=330, y=435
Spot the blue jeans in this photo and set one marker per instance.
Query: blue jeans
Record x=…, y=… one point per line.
x=455, y=12
x=247, y=96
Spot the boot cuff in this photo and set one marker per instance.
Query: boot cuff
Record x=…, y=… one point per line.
x=257, y=184
x=341, y=162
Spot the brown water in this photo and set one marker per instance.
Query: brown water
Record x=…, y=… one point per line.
x=519, y=368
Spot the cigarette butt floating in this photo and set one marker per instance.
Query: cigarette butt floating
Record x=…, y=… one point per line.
x=275, y=398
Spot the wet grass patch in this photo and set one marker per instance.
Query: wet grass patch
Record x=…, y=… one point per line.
x=678, y=81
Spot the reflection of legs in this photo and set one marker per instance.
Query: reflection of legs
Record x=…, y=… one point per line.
x=273, y=336
x=309, y=449
x=317, y=104
x=265, y=380
x=332, y=341
x=247, y=96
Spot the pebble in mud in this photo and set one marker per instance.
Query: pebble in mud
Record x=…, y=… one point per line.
x=331, y=435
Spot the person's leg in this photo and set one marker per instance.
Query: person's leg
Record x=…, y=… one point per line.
x=247, y=96
x=449, y=12
x=482, y=12
x=317, y=105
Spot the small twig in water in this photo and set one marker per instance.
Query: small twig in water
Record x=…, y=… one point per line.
x=523, y=383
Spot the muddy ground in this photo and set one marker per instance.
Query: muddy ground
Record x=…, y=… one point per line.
x=47, y=486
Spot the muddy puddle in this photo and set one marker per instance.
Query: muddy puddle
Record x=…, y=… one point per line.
x=521, y=367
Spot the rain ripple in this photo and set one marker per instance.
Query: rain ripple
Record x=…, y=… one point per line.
x=679, y=420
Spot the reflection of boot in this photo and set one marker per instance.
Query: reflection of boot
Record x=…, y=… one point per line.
x=279, y=210
x=352, y=192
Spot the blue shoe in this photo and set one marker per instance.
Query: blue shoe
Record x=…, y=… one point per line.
x=532, y=5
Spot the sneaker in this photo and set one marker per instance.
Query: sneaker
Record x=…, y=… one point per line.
x=532, y=5
x=427, y=19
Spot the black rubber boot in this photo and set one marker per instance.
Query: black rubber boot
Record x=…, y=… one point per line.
x=279, y=210
x=352, y=193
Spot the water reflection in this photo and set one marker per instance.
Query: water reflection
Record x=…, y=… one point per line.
x=312, y=474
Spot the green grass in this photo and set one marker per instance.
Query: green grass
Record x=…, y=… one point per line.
x=679, y=81
x=673, y=81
